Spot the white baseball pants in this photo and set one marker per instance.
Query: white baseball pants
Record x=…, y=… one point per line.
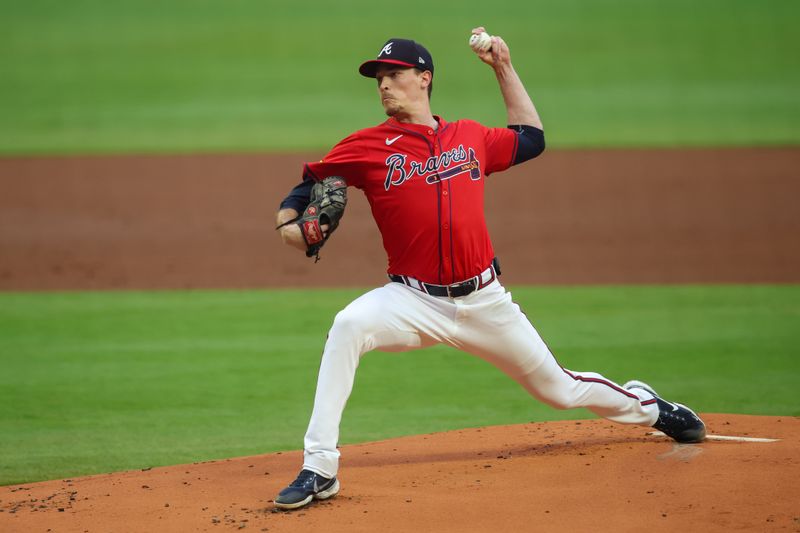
x=485, y=323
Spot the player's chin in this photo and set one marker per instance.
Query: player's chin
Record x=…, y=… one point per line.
x=391, y=108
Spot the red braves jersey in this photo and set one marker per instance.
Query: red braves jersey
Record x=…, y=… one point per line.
x=425, y=188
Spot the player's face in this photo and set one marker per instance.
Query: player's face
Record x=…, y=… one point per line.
x=400, y=89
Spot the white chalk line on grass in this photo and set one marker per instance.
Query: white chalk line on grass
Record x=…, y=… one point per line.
x=724, y=437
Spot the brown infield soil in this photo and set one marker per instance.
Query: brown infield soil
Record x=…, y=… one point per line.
x=589, y=475
x=577, y=216
x=590, y=216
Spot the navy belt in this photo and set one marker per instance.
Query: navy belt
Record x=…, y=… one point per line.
x=456, y=290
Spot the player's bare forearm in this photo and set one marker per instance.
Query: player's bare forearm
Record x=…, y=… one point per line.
x=519, y=105
x=290, y=234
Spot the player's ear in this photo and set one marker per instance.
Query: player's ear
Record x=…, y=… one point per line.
x=425, y=79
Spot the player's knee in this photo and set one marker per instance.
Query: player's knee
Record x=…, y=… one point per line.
x=350, y=322
x=552, y=389
x=343, y=322
x=559, y=402
x=557, y=397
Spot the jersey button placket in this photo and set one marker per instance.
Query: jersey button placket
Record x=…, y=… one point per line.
x=445, y=220
x=446, y=239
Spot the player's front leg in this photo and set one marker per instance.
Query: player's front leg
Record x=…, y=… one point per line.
x=375, y=321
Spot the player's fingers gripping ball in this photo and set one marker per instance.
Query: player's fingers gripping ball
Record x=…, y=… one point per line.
x=480, y=42
x=328, y=200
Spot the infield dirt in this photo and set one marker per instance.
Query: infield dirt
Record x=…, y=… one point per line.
x=590, y=216
x=589, y=475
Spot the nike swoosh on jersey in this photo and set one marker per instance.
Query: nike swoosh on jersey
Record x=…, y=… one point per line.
x=390, y=141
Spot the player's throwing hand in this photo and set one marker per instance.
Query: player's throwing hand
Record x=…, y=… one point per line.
x=497, y=54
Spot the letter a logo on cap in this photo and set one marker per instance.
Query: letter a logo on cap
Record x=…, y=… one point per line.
x=386, y=49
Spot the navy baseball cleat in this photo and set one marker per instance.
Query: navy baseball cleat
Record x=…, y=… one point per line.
x=674, y=419
x=307, y=487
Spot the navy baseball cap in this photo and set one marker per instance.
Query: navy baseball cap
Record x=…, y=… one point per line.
x=402, y=52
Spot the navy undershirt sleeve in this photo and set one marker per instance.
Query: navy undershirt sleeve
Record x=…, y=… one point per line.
x=299, y=197
x=530, y=142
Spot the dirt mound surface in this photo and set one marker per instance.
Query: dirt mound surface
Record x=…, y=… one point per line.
x=588, y=475
x=572, y=216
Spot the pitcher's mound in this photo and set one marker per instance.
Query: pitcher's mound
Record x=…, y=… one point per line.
x=588, y=475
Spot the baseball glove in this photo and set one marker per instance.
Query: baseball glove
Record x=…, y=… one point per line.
x=328, y=200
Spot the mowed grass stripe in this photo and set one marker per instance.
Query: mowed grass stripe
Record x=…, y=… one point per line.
x=145, y=76
x=104, y=381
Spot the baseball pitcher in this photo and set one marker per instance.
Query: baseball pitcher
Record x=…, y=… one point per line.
x=424, y=178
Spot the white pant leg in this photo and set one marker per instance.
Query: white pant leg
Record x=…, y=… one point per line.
x=390, y=318
x=491, y=326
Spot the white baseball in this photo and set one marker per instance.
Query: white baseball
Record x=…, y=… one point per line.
x=480, y=42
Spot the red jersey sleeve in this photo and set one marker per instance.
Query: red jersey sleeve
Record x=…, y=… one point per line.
x=501, y=147
x=347, y=159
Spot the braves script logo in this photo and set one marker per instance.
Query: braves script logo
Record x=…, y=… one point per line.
x=386, y=49
x=435, y=169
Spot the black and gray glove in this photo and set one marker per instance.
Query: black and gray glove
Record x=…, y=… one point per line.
x=328, y=200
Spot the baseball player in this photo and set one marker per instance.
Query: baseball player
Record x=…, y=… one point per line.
x=424, y=178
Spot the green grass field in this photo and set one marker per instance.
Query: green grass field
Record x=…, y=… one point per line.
x=240, y=75
x=96, y=382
